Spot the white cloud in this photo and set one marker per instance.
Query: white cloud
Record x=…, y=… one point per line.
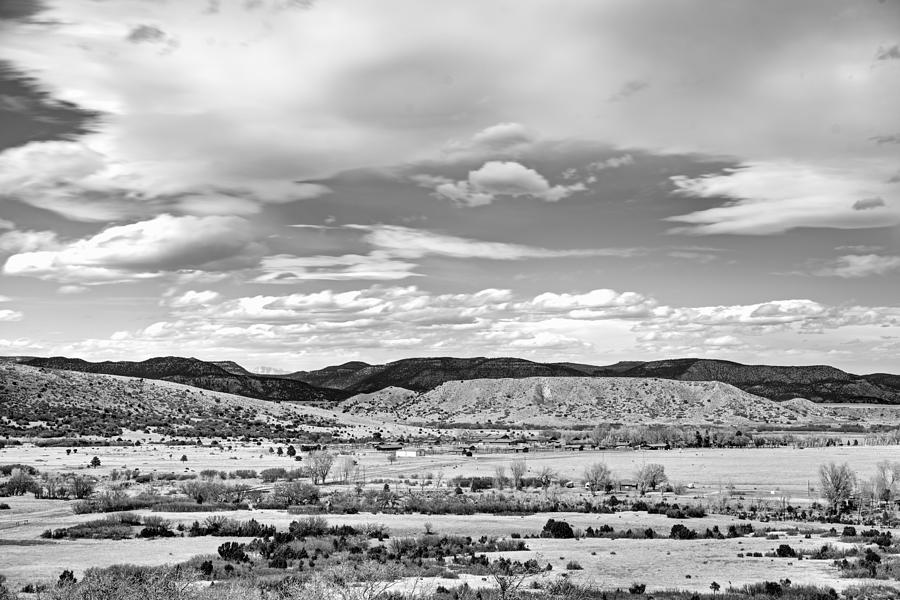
x=765, y=198
x=723, y=341
x=406, y=242
x=194, y=298
x=501, y=139
x=502, y=178
x=82, y=184
x=612, y=163
x=27, y=241
x=378, y=266
x=395, y=248
x=860, y=265
x=143, y=250
x=10, y=315
x=337, y=85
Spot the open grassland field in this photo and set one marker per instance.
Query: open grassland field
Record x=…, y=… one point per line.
x=685, y=564
x=768, y=471
x=764, y=476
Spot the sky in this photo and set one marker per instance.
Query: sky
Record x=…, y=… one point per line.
x=291, y=184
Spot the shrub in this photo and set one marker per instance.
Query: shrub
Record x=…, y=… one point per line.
x=680, y=532
x=637, y=588
x=557, y=529
x=785, y=551
x=573, y=565
x=272, y=475
x=308, y=527
x=233, y=552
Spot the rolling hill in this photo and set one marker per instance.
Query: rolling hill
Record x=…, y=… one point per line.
x=45, y=402
x=815, y=383
x=422, y=374
x=568, y=401
x=200, y=374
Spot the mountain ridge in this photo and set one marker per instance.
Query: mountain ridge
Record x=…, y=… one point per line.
x=199, y=374
x=818, y=383
x=571, y=401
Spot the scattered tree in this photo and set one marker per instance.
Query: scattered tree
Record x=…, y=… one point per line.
x=347, y=468
x=95, y=462
x=838, y=483
x=651, y=476
x=598, y=477
x=546, y=477
x=517, y=470
x=499, y=477
x=320, y=466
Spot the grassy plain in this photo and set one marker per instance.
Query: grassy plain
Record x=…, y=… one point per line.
x=768, y=473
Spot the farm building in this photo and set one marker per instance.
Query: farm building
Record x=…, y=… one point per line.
x=410, y=452
x=388, y=447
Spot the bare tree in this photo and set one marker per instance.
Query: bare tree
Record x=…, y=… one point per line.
x=320, y=466
x=438, y=478
x=295, y=492
x=838, y=483
x=599, y=434
x=499, y=477
x=347, y=468
x=546, y=476
x=887, y=480
x=651, y=475
x=517, y=469
x=82, y=487
x=392, y=457
x=19, y=482
x=598, y=477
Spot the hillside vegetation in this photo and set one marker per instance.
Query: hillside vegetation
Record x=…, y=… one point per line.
x=54, y=403
x=816, y=383
x=422, y=374
x=568, y=401
x=201, y=374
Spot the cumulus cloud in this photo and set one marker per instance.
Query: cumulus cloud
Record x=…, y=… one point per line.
x=499, y=178
x=361, y=95
x=144, y=250
x=194, y=298
x=499, y=139
x=612, y=163
x=768, y=198
x=492, y=322
x=27, y=241
x=601, y=303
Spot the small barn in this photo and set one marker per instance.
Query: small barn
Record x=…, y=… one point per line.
x=410, y=452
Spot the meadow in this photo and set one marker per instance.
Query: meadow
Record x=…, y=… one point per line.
x=708, y=478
